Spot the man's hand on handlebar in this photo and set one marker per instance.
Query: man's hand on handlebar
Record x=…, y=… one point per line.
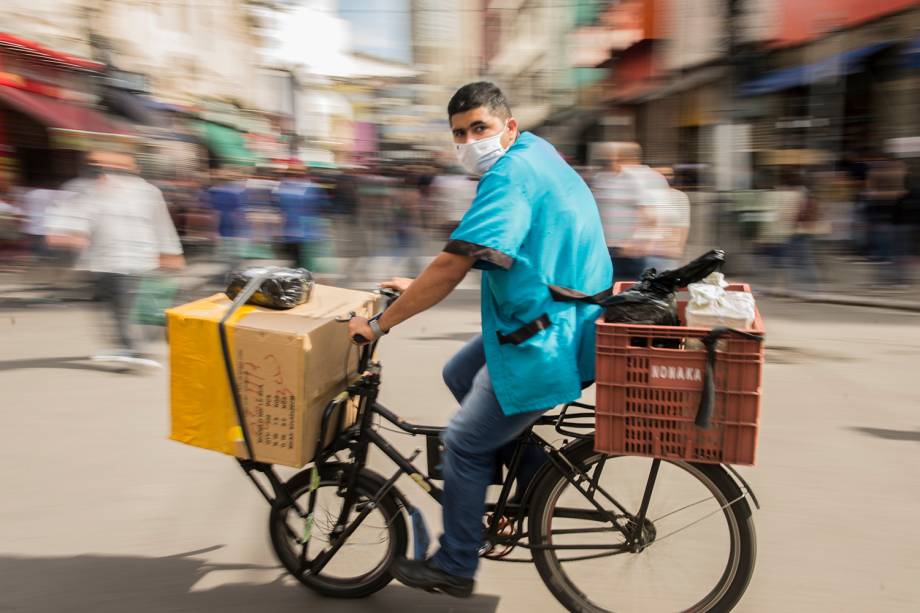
x=359, y=331
x=438, y=279
x=400, y=284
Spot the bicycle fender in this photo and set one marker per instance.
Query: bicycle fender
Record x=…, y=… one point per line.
x=744, y=484
x=574, y=446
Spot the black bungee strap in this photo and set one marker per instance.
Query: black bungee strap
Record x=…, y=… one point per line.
x=526, y=331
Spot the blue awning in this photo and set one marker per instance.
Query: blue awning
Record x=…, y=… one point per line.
x=835, y=66
x=912, y=53
x=132, y=106
x=164, y=106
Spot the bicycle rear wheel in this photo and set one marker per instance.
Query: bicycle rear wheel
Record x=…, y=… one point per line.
x=361, y=566
x=699, y=542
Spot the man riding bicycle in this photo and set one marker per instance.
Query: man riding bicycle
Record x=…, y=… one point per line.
x=535, y=232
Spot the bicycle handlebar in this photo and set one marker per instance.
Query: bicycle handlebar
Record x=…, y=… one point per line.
x=367, y=345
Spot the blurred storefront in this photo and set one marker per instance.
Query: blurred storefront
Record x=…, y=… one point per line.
x=843, y=85
x=48, y=114
x=720, y=86
x=237, y=136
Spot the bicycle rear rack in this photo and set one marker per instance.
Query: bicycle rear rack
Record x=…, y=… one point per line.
x=575, y=422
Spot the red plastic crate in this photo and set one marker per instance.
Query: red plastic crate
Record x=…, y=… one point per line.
x=648, y=397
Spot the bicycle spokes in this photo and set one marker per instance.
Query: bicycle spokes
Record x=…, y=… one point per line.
x=664, y=529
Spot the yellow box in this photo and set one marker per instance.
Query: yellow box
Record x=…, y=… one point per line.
x=288, y=365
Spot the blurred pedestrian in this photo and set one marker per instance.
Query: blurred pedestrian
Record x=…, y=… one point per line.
x=305, y=232
x=195, y=220
x=625, y=190
x=290, y=198
x=782, y=206
x=452, y=192
x=406, y=224
x=885, y=189
x=228, y=197
x=120, y=224
x=374, y=193
x=12, y=221
x=856, y=166
x=49, y=264
x=671, y=225
x=263, y=220
x=36, y=202
x=810, y=225
x=908, y=225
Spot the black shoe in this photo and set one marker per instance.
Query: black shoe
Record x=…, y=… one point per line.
x=427, y=576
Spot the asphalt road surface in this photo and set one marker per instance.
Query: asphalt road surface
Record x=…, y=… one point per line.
x=100, y=512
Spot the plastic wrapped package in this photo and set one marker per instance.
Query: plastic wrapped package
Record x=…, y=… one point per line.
x=284, y=288
x=653, y=300
x=712, y=306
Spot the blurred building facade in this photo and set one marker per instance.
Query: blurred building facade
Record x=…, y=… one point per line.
x=46, y=100
x=724, y=84
x=837, y=78
x=447, y=51
x=187, y=50
x=721, y=85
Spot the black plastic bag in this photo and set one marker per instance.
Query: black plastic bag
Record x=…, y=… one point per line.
x=284, y=288
x=643, y=303
x=653, y=300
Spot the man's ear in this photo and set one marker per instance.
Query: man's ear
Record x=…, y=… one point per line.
x=512, y=132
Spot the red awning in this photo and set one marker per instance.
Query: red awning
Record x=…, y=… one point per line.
x=43, y=53
x=59, y=114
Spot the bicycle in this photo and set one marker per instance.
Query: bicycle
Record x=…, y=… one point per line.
x=570, y=516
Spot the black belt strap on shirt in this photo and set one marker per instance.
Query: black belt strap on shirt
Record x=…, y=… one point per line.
x=526, y=331
x=564, y=294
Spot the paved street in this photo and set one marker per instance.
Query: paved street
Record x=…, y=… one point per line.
x=102, y=513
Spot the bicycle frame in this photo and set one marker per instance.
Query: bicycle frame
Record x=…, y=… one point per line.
x=358, y=439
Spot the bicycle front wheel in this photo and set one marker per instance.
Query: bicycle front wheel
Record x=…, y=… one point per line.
x=361, y=566
x=695, y=553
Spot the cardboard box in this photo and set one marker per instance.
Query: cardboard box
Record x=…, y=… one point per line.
x=288, y=366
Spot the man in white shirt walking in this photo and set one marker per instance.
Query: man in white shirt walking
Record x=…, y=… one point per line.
x=668, y=238
x=627, y=193
x=121, y=225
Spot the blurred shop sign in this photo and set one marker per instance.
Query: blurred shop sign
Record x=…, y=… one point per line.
x=905, y=147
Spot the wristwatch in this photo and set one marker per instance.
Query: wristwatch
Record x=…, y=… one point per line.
x=372, y=322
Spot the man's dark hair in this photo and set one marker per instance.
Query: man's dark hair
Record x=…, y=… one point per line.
x=474, y=95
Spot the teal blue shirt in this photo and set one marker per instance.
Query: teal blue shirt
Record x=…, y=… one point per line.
x=535, y=231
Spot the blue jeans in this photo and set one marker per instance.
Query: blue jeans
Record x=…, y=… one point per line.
x=890, y=247
x=804, y=271
x=478, y=435
x=626, y=268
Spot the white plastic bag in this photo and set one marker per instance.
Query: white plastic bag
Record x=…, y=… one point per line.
x=711, y=306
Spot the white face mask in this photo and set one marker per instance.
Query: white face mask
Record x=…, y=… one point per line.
x=478, y=156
